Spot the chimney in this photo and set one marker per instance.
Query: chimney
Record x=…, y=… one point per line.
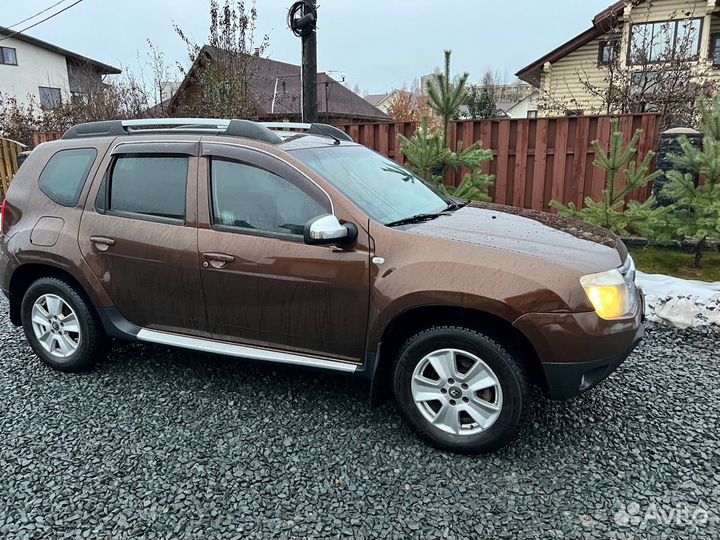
x=257, y=52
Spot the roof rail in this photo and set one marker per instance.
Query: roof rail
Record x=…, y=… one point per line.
x=120, y=128
x=323, y=130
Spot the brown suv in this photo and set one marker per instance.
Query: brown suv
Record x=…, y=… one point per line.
x=272, y=244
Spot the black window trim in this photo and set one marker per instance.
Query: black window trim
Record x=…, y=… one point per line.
x=235, y=229
x=714, y=38
x=615, y=44
x=2, y=56
x=83, y=183
x=104, y=190
x=694, y=58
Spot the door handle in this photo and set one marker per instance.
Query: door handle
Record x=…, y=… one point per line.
x=217, y=260
x=102, y=242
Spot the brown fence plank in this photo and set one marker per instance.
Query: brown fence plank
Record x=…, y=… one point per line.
x=557, y=190
x=538, y=185
x=501, y=176
x=576, y=187
x=521, y=156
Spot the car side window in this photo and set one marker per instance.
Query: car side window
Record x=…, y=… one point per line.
x=64, y=175
x=152, y=186
x=256, y=200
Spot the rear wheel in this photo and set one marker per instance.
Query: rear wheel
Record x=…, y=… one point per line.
x=61, y=326
x=461, y=390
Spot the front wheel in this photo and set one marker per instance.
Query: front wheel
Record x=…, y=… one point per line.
x=461, y=390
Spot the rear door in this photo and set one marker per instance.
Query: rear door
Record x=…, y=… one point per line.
x=263, y=285
x=138, y=234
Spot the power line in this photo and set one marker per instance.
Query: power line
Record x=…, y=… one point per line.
x=41, y=21
x=37, y=14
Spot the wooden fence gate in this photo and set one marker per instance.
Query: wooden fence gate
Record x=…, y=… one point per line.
x=535, y=160
x=9, y=151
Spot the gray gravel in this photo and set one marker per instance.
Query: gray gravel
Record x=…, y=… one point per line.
x=160, y=443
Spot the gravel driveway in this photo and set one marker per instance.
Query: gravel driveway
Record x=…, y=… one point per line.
x=163, y=443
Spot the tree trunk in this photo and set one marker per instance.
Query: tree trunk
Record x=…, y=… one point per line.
x=699, y=251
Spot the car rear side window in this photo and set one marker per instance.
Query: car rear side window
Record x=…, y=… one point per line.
x=64, y=176
x=257, y=200
x=148, y=185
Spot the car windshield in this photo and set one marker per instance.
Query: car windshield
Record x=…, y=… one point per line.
x=381, y=188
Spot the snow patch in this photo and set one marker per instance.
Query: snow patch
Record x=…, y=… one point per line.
x=682, y=303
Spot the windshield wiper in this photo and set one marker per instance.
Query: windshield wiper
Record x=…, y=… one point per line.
x=456, y=205
x=418, y=218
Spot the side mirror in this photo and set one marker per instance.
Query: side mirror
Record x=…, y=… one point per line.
x=326, y=230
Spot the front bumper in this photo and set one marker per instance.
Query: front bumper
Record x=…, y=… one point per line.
x=579, y=350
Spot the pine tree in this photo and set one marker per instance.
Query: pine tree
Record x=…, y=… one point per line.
x=610, y=212
x=695, y=209
x=430, y=159
x=446, y=97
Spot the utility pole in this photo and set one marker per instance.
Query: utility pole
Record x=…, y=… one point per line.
x=303, y=22
x=309, y=74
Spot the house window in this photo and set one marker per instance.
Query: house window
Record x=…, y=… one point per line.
x=532, y=114
x=662, y=41
x=715, y=50
x=607, y=53
x=49, y=97
x=574, y=112
x=8, y=56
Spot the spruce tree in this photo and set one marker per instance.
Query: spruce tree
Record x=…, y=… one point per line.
x=611, y=212
x=695, y=209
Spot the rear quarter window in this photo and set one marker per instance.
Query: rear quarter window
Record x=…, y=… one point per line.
x=65, y=174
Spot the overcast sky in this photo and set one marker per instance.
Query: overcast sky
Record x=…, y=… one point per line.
x=379, y=44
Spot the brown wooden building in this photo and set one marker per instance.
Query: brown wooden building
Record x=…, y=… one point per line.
x=276, y=90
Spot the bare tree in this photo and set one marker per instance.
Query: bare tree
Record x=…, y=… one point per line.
x=222, y=73
x=663, y=71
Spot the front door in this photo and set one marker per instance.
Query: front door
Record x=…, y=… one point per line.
x=138, y=234
x=263, y=285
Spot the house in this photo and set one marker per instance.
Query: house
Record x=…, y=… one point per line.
x=526, y=107
x=276, y=89
x=384, y=101
x=34, y=70
x=633, y=34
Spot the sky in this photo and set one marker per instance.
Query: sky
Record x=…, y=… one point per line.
x=378, y=44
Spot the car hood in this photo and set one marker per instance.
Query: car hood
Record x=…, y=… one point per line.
x=564, y=241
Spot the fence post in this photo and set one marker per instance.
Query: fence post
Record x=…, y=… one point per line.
x=670, y=145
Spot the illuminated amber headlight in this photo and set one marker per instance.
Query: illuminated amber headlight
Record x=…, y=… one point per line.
x=609, y=293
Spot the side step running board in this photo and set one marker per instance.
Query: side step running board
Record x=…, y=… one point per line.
x=243, y=351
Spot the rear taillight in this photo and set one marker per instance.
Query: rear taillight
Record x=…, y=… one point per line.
x=2, y=218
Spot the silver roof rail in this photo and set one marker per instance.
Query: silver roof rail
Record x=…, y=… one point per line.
x=322, y=130
x=214, y=123
x=260, y=131
x=122, y=128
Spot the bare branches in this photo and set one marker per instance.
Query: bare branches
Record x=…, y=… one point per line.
x=223, y=71
x=641, y=67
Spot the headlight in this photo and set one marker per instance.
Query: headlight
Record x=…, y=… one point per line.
x=611, y=293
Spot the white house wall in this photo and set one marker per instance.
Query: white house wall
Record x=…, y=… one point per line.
x=36, y=67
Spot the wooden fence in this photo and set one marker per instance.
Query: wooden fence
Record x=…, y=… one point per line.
x=535, y=160
x=9, y=151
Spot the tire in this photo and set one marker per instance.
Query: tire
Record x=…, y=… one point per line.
x=477, y=409
x=73, y=345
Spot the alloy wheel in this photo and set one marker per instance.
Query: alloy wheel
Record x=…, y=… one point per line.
x=456, y=392
x=56, y=326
